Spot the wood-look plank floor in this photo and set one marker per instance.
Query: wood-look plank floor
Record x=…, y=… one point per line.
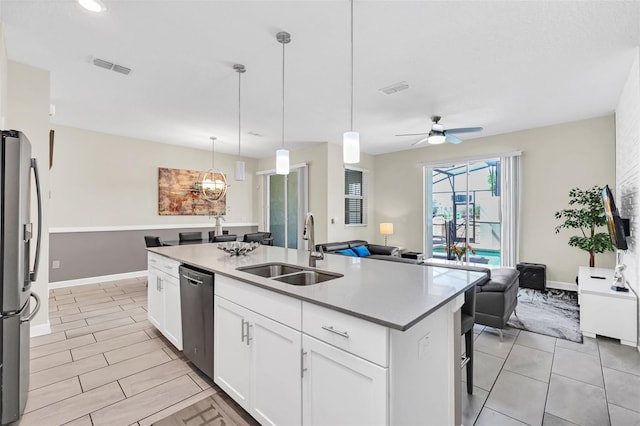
x=105, y=364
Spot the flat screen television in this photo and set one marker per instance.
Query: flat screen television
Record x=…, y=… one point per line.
x=615, y=223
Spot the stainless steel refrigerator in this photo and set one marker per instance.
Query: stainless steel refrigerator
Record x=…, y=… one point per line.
x=16, y=274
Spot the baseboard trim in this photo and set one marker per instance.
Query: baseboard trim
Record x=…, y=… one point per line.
x=559, y=285
x=40, y=329
x=95, y=280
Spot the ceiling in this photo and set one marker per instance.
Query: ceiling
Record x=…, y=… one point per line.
x=505, y=66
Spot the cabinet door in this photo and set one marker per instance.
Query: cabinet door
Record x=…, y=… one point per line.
x=155, y=303
x=172, y=313
x=231, y=350
x=339, y=388
x=276, y=394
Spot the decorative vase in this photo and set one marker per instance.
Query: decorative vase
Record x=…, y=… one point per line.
x=218, y=228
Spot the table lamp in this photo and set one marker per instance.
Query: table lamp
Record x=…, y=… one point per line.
x=386, y=229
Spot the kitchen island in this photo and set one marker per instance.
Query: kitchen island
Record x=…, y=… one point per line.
x=375, y=345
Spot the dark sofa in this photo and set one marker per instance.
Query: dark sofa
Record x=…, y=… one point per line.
x=377, y=251
x=496, y=296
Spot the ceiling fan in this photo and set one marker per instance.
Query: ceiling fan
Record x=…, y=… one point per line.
x=438, y=134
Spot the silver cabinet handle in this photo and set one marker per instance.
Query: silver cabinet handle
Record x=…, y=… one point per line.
x=333, y=330
x=242, y=330
x=302, y=367
x=249, y=338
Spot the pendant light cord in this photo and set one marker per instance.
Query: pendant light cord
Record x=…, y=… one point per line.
x=283, y=44
x=351, y=125
x=239, y=127
x=213, y=153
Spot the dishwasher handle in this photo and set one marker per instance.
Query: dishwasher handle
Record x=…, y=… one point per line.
x=192, y=281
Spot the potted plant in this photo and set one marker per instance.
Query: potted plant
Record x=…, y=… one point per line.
x=587, y=217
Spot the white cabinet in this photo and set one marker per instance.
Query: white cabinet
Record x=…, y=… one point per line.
x=341, y=388
x=289, y=362
x=604, y=311
x=163, y=297
x=257, y=363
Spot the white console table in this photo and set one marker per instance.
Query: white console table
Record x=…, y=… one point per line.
x=604, y=311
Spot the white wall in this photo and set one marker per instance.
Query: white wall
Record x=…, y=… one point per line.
x=326, y=191
x=3, y=79
x=27, y=110
x=105, y=180
x=628, y=167
x=554, y=160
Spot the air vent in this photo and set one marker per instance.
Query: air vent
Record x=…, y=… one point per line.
x=121, y=69
x=395, y=88
x=110, y=66
x=102, y=63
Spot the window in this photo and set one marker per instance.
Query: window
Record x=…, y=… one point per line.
x=355, y=196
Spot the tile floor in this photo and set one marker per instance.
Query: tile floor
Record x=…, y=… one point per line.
x=105, y=364
x=531, y=379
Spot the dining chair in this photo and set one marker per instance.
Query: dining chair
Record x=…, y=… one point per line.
x=152, y=241
x=222, y=238
x=190, y=236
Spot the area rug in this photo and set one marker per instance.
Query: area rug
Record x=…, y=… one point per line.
x=215, y=410
x=552, y=312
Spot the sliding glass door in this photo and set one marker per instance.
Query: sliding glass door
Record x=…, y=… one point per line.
x=286, y=205
x=463, y=203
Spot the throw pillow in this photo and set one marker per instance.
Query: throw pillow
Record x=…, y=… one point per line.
x=347, y=252
x=361, y=251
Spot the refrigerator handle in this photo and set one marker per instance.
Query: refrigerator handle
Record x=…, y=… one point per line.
x=33, y=275
x=35, y=310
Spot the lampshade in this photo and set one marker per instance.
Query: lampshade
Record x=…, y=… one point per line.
x=239, y=174
x=93, y=5
x=351, y=147
x=282, y=162
x=386, y=228
x=436, y=139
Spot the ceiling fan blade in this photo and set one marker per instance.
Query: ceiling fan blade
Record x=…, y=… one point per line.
x=452, y=138
x=418, y=142
x=413, y=134
x=464, y=130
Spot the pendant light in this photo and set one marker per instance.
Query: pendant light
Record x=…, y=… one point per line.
x=213, y=183
x=351, y=139
x=282, y=155
x=239, y=172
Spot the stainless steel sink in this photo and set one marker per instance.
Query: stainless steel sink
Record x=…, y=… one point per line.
x=289, y=274
x=307, y=277
x=270, y=270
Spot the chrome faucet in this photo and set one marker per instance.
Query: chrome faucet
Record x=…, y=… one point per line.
x=308, y=235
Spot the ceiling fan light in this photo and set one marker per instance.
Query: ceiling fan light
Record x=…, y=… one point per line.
x=282, y=162
x=239, y=171
x=93, y=5
x=351, y=147
x=436, y=139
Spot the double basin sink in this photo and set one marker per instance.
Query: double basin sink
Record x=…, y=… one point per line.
x=290, y=274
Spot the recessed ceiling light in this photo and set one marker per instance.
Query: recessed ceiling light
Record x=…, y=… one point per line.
x=93, y=5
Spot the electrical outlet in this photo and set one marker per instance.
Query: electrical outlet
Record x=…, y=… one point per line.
x=55, y=264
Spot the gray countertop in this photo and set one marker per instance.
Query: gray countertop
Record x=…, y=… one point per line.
x=396, y=295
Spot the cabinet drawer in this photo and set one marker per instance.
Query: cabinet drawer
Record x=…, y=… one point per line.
x=354, y=335
x=164, y=264
x=278, y=307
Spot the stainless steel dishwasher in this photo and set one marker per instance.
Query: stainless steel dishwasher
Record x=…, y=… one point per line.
x=196, y=297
